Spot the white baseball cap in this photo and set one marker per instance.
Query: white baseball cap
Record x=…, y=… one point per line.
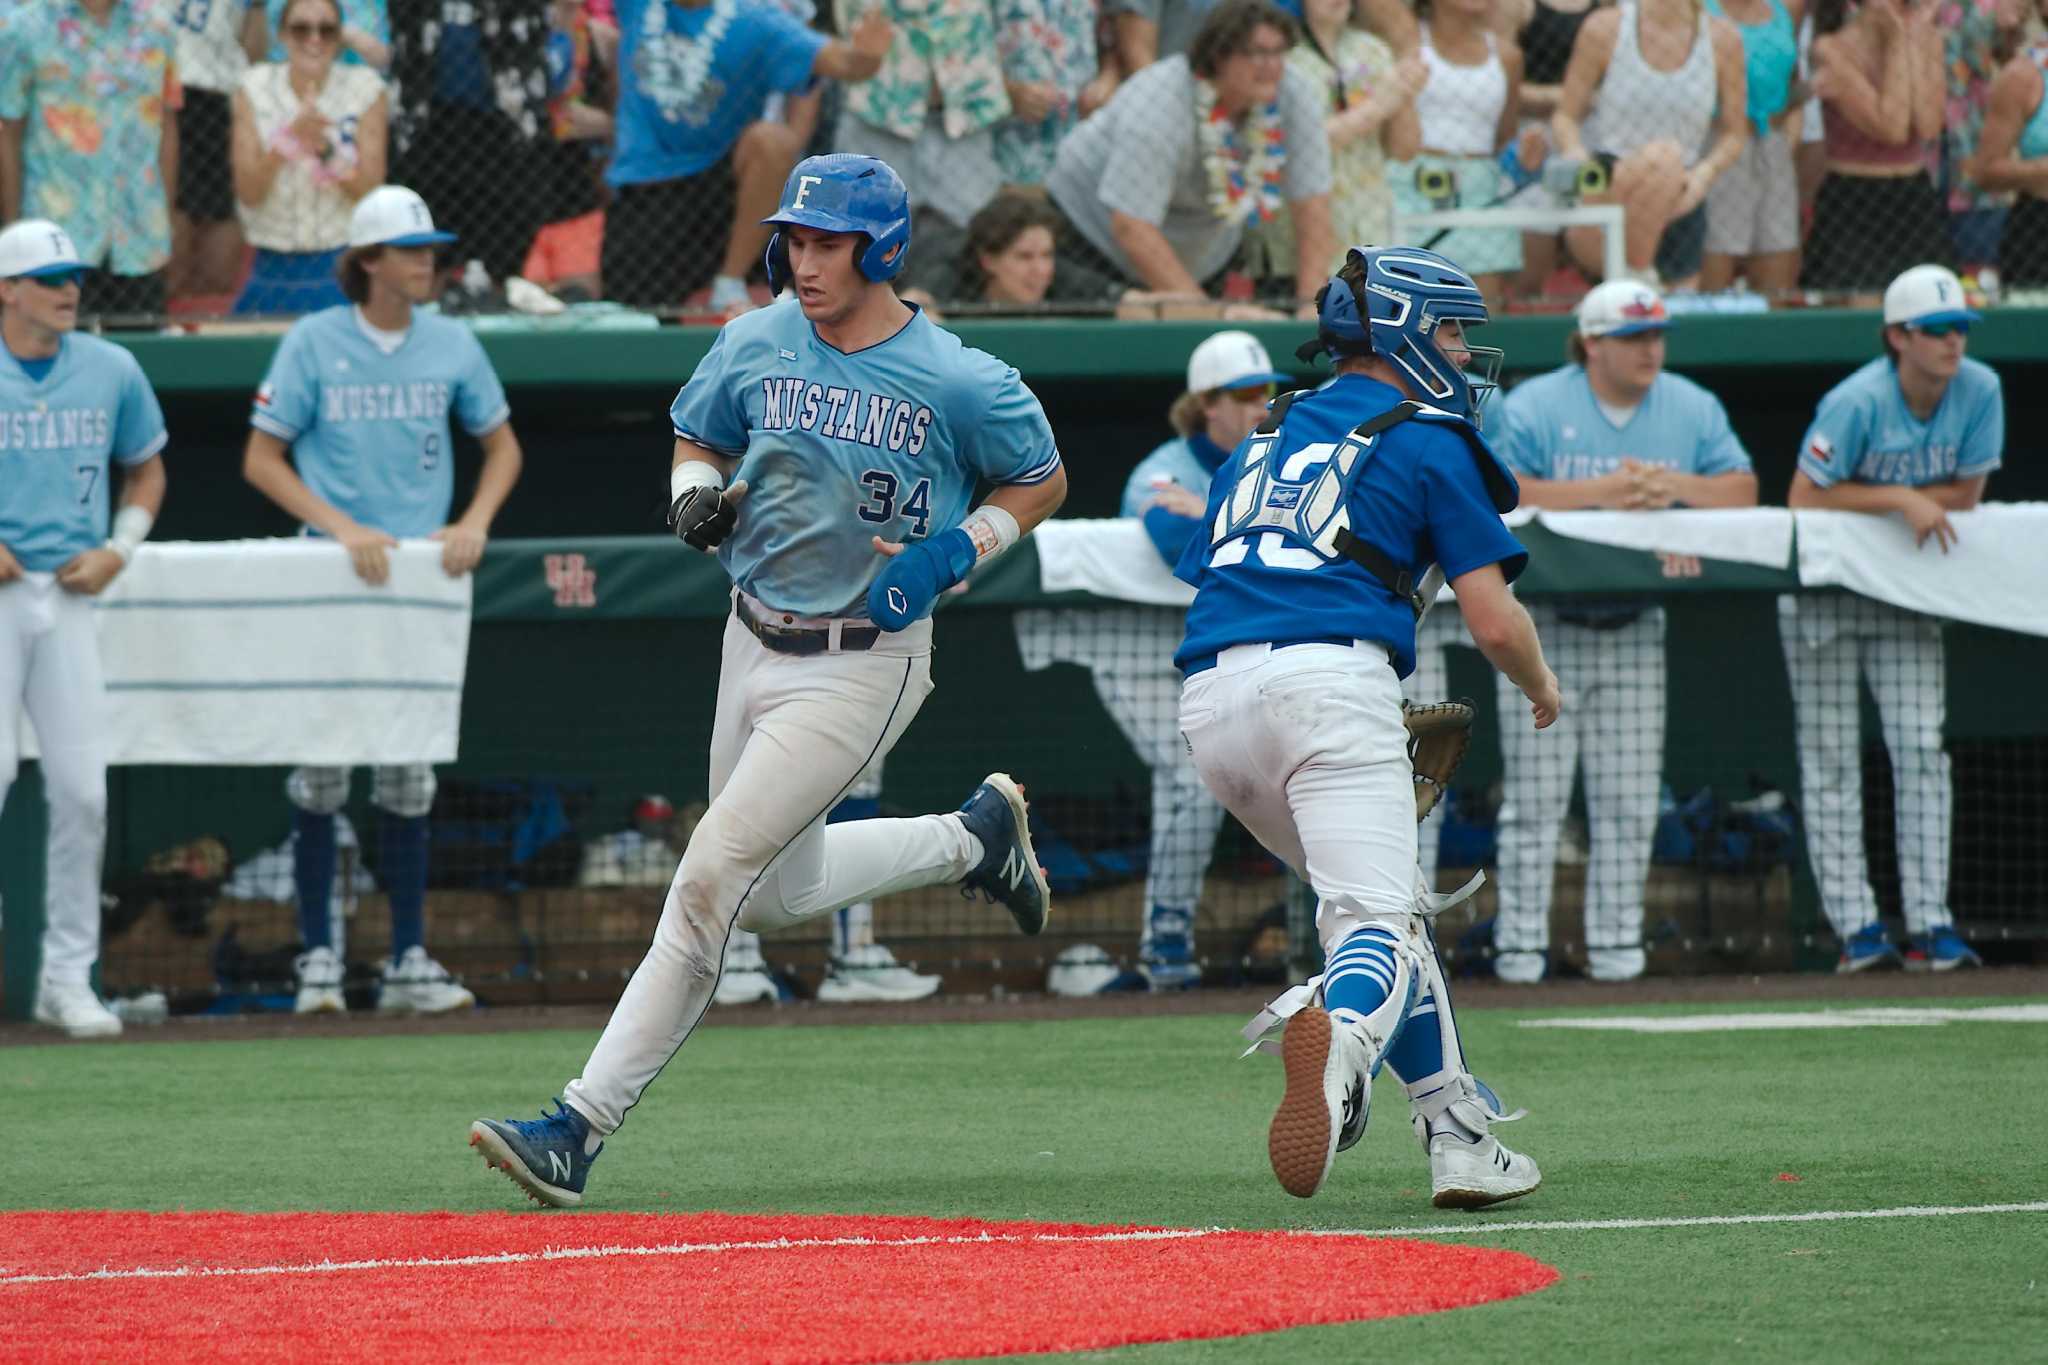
x=1926, y=294
x=1622, y=308
x=1231, y=360
x=36, y=246
x=392, y=215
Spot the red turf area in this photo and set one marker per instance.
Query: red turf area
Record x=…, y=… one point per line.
x=685, y=1287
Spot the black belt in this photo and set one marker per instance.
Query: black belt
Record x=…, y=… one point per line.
x=804, y=639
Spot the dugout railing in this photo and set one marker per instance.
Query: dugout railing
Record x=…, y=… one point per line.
x=591, y=675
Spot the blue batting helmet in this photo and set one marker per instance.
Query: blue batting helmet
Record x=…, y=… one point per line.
x=1389, y=301
x=843, y=192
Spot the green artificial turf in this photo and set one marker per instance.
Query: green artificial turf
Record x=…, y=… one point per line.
x=1155, y=1121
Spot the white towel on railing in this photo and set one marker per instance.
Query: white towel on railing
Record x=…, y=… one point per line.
x=1993, y=575
x=1111, y=557
x=1741, y=535
x=273, y=651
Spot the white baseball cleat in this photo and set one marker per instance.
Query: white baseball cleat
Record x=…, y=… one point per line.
x=1471, y=1175
x=416, y=984
x=872, y=973
x=319, y=983
x=75, y=1008
x=1327, y=1095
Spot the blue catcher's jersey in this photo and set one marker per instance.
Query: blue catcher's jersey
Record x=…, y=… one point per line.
x=1420, y=498
x=1863, y=432
x=369, y=431
x=837, y=448
x=57, y=435
x=1553, y=428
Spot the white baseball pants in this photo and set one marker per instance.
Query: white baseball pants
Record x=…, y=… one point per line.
x=50, y=665
x=1306, y=747
x=1613, y=687
x=790, y=737
x=1145, y=704
x=1830, y=641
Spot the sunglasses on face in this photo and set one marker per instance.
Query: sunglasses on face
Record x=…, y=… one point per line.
x=61, y=280
x=1940, y=329
x=305, y=31
x=1252, y=393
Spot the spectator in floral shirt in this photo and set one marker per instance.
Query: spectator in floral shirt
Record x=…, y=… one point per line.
x=1048, y=54
x=85, y=140
x=932, y=110
x=1976, y=35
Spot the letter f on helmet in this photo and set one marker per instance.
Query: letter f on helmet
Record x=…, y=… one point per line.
x=842, y=192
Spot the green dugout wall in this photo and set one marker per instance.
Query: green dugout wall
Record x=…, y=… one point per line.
x=622, y=689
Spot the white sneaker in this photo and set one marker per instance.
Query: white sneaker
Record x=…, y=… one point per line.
x=745, y=979
x=319, y=983
x=416, y=984
x=1471, y=1175
x=1615, y=964
x=872, y=973
x=1519, y=969
x=73, y=1007
x=1327, y=1093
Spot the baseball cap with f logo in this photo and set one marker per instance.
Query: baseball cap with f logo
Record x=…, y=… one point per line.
x=37, y=246
x=392, y=215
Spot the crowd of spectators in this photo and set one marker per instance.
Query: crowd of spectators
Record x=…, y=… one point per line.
x=1148, y=157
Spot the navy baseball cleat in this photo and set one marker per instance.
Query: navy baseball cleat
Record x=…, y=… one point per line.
x=1008, y=872
x=552, y=1144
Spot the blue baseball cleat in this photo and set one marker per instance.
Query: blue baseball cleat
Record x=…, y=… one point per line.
x=543, y=1156
x=1865, y=948
x=1008, y=873
x=1168, y=956
x=1941, y=950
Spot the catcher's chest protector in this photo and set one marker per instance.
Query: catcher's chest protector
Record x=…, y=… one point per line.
x=1305, y=494
x=1276, y=491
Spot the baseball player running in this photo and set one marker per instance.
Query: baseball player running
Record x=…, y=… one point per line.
x=69, y=405
x=861, y=429
x=359, y=396
x=1611, y=429
x=1230, y=382
x=1915, y=432
x=1319, y=529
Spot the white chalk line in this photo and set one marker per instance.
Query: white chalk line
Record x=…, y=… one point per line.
x=1475, y=1227
x=1884, y=1016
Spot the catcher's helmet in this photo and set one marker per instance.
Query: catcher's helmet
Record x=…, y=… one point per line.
x=844, y=192
x=1388, y=301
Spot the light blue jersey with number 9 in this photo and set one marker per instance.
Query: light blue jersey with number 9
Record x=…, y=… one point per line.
x=369, y=430
x=836, y=449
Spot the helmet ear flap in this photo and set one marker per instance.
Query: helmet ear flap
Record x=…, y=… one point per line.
x=777, y=263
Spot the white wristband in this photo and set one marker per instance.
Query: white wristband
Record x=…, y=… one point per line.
x=692, y=474
x=131, y=528
x=992, y=530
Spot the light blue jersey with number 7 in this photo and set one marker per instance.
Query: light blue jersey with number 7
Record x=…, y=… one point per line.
x=57, y=434
x=837, y=448
x=369, y=430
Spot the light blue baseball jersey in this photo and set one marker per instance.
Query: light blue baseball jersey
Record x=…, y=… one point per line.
x=369, y=431
x=1190, y=461
x=1863, y=431
x=1177, y=461
x=837, y=448
x=57, y=436
x=1552, y=428
x=1424, y=498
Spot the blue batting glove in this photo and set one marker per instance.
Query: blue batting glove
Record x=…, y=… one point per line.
x=904, y=592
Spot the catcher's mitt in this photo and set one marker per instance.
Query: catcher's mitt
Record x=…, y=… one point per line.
x=1438, y=735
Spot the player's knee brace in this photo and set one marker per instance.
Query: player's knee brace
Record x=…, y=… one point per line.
x=405, y=789
x=317, y=791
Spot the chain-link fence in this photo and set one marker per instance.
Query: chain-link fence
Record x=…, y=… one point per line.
x=1138, y=157
x=1742, y=781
